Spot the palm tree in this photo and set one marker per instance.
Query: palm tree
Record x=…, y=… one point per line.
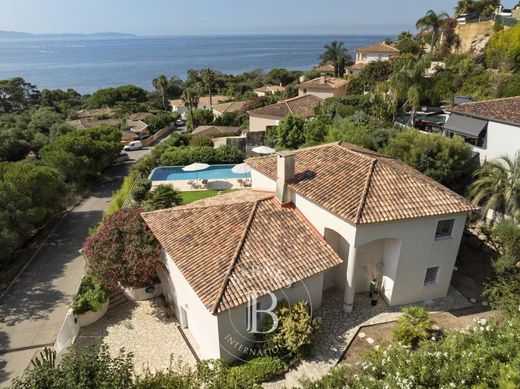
x=497, y=186
x=209, y=78
x=190, y=98
x=414, y=99
x=432, y=22
x=337, y=54
x=161, y=85
x=404, y=35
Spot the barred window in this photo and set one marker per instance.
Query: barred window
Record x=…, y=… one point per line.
x=431, y=275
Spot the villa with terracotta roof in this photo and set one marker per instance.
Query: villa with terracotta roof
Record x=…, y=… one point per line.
x=204, y=103
x=324, y=87
x=269, y=90
x=376, y=52
x=315, y=219
x=261, y=119
x=232, y=106
x=492, y=127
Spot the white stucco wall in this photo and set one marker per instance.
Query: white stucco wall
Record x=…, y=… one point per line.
x=261, y=182
x=366, y=57
x=407, y=248
x=233, y=335
x=418, y=250
x=201, y=323
x=501, y=139
x=260, y=123
x=323, y=93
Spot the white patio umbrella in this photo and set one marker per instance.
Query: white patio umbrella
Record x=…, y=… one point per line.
x=263, y=150
x=195, y=167
x=242, y=168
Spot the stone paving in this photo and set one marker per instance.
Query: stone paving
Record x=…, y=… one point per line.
x=143, y=329
x=339, y=328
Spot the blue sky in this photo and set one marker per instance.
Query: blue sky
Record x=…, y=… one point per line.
x=165, y=17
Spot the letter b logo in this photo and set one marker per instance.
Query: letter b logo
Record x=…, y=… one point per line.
x=254, y=314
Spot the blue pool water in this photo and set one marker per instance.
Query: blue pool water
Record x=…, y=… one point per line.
x=175, y=173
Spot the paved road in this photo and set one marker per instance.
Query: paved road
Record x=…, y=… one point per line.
x=32, y=311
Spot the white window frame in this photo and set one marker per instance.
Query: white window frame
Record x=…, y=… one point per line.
x=450, y=234
x=428, y=281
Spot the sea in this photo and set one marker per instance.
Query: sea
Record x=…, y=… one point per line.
x=88, y=64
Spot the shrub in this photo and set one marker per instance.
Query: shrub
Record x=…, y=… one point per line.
x=201, y=140
x=294, y=331
x=164, y=196
x=478, y=356
x=448, y=161
x=91, y=296
x=413, y=326
x=118, y=199
x=91, y=368
x=254, y=372
x=123, y=251
x=141, y=189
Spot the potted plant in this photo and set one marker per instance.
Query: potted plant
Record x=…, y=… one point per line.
x=373, y=269
x=91, y=302
x=123, y=253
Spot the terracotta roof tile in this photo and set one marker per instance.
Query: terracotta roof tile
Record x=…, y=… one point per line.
x=216, y=130
x=380, y=47
x=505, y=110
x=233, y=244
x=301, y=106
x=362, y=186
x=232, y=106
x=271, y=89
x=324, y=82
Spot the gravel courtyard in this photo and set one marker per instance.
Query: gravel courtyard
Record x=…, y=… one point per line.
x=144, y=329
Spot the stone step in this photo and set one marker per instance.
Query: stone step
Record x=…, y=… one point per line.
x=116, y=299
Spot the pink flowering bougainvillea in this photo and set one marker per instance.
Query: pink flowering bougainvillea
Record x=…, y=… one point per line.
x=123, y=252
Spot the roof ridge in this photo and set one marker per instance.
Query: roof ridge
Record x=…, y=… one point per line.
x=486, y=101
x=189, y=206
x=234, y=260
x=365, y=191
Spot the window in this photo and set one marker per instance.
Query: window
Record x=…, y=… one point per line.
x=431, y=275
x=444, y=229
x=249, y=313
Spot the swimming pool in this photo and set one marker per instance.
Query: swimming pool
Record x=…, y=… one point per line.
x=175, y=173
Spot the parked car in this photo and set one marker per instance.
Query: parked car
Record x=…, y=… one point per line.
x=180, y=122
x=135, y=145
x=121, y=158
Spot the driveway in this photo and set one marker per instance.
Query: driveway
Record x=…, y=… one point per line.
x=33, y=309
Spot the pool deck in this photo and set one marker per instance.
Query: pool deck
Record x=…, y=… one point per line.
x=213, y=184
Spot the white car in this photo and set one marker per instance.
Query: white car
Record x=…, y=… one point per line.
x=135, y=145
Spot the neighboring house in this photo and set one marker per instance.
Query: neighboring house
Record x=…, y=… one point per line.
x=261, y=119
x=314, y=220
x=326, y=69
x=136, y=125
x=89, y=113
x=269, y=90
x=492, y=127
x=216, y=131
x=204, y=103
x=515, y=12
x=324, y=87
x=232, y=106
x=376, y=52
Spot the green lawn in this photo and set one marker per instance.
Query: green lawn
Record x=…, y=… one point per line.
x=189, y=197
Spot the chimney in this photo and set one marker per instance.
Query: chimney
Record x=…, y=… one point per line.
x=281, y=85
x=322, y=80
x=302, y=78
x=285, y=172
